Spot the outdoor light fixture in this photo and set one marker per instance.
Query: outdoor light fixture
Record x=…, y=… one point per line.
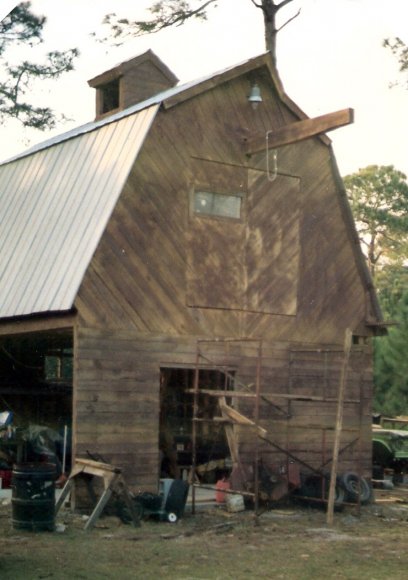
x=255, y=96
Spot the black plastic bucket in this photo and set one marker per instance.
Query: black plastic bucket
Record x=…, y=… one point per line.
x=33, y=496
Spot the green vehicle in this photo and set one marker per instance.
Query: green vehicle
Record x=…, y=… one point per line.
x=390, y=451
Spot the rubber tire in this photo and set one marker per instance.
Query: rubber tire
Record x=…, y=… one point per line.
x=312, y=487
x=124, y=514
x=172, y=517
x=351, y=482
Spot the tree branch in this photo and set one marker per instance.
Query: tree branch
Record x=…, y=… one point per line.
x=181, y=15
x=21, y=26
x=20, y=78
x=283, y=4
x=290, y=20
x=166, y=14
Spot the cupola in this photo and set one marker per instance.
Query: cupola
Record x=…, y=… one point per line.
x=131, y=82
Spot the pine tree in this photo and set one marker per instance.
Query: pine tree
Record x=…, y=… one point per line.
x=22, y=26
x=378, y=197
x=391, y=365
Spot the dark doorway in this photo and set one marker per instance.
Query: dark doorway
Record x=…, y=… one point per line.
x=36, y=385
x=176, y=423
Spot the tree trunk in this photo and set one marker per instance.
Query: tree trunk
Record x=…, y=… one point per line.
x=371, y=255
x=270, y=9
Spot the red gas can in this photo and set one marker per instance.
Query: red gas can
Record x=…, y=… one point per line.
x=221, y=485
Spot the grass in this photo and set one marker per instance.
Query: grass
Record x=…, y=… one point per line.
x=289, y=543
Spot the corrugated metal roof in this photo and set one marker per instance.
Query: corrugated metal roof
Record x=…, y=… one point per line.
x=54, y=207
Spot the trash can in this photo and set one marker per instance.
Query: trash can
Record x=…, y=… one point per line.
x=33, y=496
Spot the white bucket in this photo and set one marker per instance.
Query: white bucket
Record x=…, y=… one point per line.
x=235, y=503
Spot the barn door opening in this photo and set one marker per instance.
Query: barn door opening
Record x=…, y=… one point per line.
x=36, y=399
x=176, y=424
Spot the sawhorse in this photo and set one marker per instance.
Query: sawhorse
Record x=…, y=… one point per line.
x=113, y=482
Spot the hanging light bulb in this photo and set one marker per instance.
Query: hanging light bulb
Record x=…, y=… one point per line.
x=255, y=96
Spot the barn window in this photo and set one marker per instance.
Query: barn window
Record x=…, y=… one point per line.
x=58, y=366
x=109, y=96
x=217, y=204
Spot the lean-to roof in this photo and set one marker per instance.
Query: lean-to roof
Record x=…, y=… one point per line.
x=55, y=204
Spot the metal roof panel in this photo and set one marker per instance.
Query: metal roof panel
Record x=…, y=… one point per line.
x=54, y=206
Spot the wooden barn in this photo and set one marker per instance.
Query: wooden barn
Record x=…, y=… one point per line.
x=177, y=278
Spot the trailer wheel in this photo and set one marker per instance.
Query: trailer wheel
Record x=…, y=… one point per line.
x=172, y=517
x=356, y=487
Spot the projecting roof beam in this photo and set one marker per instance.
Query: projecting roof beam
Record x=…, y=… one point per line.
x=299, y=131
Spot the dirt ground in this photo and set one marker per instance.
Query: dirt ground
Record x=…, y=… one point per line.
x=288, y=542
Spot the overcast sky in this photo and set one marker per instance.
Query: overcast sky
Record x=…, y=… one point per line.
x=329, y=58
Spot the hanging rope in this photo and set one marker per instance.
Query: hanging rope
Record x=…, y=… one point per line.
x=271, y=176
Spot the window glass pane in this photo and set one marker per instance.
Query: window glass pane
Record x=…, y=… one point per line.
x=227, y=206
x=203, y=202
x=217, y=204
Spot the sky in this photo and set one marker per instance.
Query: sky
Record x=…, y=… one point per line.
x=329, y=58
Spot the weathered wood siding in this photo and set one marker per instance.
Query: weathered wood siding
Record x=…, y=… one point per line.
x=147, y=80
x=286, y=272
x=157, y=264
x=304, y=427
x=116, y=408
x=273, y=248
x=116, y=403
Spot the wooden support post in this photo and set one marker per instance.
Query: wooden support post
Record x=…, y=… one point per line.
x=339, y=426
x=256, y=421
x=194, y=429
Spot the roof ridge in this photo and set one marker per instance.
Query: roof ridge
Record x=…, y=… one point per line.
x=154, y=100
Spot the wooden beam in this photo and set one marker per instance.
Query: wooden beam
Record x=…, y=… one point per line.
x=229, y=394
x=239, y=419
x=299, y=131
x=339, y=426
x=51, y=322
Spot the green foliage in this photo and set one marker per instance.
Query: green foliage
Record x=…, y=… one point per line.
x=400, y=50
x=22, y=27
x=391, y=364
x=164, y=13
x=390, y=352
x=379, y=200
x=391, y=283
